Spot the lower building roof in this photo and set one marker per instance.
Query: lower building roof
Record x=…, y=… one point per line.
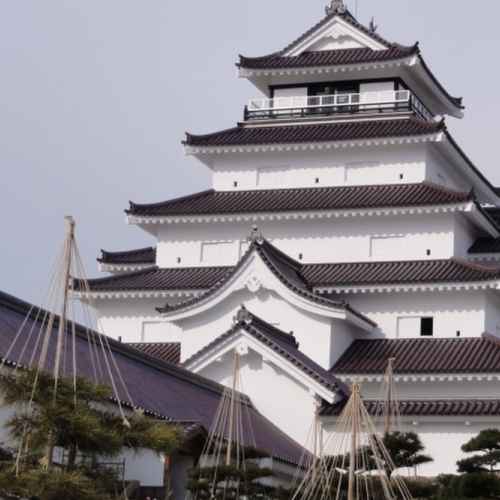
x=161, y=389
x=169, y=352
x=421, y=356
x=427, y=408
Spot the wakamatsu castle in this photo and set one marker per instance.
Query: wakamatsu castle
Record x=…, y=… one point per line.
x=344, y=226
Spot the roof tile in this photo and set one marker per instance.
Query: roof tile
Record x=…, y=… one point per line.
x=301, y=199
x=329, y=132
x=421, y=356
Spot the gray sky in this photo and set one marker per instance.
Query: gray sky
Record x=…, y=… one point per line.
x=95, y=96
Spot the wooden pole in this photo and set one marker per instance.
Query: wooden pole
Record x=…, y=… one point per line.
x=389, y=374
x=354, y=442
x=68, y=250
x=236, y=374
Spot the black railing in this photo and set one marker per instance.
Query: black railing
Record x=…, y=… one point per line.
x=349, y=104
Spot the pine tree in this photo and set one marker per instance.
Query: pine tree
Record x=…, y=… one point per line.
x=82, y=423
x=487, y=458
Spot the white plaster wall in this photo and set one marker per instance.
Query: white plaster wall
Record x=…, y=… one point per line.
x=492, y=321
x=352, y=239
x=441, y=436
x=452, y=311
x=440, y=171
x=342, y=336
x=329, y=168
x=134, y=320
x=144, y=466
x=464, y=236
x=311, y=331
x=276, y=395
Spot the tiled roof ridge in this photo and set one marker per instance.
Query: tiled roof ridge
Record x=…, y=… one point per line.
x=424, y=356
x=246, y=318
x=349, y=18
x=109, y=257
x=368, y=263
x=268, y=253
x=333, y=57
x=476, y=265
x=460, y=195
x=427, y=127
x=426, y=407
x=134, y=206
x=276, y=339
x=78, y=282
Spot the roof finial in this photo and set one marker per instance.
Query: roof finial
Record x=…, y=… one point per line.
x=373, y=26
x=255, y=235
x=336, y=7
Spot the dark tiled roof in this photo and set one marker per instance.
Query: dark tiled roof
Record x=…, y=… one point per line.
x=494, y=212
x=287, y=270
x=403, y=272
x=328, y=132
x=189, y=278
x=160, y=388
x=314, y=275
x=421, y=356
x=429, y=408
x=282, y=343
x=170, y=352
x=327, y=58
x=302, y=199
x=393, y=51
x=485, y=245
x=139, y=256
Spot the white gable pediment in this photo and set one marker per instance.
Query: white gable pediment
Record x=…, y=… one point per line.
x=336, y=35
x=254, y=276
x=219, y=360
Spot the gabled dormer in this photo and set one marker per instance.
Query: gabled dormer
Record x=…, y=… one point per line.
x=340, y=68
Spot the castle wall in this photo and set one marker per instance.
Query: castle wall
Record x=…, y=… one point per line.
x=458, y=311
x=350, y=239
x=275, y=394
x=336, y=167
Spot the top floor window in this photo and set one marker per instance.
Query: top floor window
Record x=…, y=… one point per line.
x=331, y=98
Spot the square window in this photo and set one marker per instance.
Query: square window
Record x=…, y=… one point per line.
x=426, y=327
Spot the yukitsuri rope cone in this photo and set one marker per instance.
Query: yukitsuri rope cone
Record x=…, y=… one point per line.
x=227, y=469
x=49, y=345
x=355, y=464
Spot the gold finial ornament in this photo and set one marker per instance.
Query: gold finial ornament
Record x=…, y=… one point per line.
x=336, y=7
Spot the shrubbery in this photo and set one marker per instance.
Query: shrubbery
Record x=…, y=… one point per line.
x=477, y=485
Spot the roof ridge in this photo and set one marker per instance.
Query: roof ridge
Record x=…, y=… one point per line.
x=249, y=322
x=127, y=252
x=347, y=17
x=257, y=321
x=475, y=265
x=199, y=194
x=116, y=277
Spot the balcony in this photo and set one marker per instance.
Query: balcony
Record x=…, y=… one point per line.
x=391, y=101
